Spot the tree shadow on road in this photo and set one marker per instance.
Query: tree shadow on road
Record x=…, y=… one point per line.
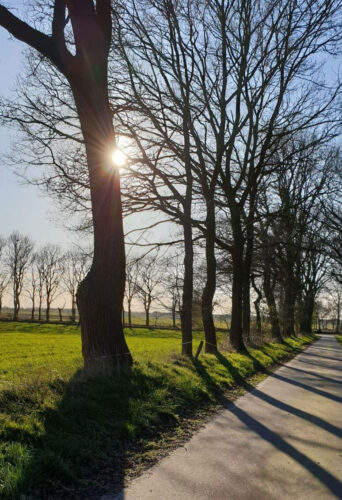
x=331, y=482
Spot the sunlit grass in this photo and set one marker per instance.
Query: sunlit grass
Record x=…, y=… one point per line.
x=58, y=427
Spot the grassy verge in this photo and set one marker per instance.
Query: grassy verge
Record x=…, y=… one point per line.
x=339, y=338
x=63, y=433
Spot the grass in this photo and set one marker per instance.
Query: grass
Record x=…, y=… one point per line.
x=60, y=431
x=339, y=338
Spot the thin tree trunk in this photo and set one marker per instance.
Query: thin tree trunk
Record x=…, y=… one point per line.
x=40, y=309
x=33, y=310
x=129, y=314
x=73, y=308
x=236, y=333
x=210, y=285
x=186, y=310
x=289, y=306
x=147, y=316
x=257, y=307
x=173, y=316
x=47, y=312
x=271, y=304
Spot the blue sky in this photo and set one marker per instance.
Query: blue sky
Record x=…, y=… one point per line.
x=22, y=207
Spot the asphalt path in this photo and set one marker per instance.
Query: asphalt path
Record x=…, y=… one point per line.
x=281, y=440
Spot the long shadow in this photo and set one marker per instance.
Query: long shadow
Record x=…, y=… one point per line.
x=320, y=356
x=79, y=441
x=330, y=481
x=313, y=363
x=313, y=374
x=296, y=383
x=90, y=437
x=336, y=431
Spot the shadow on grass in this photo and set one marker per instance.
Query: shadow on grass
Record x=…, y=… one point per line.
x=330, y=481
x=86, y=433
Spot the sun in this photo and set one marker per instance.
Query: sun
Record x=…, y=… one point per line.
x=118, y=158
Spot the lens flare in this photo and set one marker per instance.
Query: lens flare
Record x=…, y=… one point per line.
x=118, y=158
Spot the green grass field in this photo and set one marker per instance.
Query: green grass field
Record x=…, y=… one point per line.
x=60, y=430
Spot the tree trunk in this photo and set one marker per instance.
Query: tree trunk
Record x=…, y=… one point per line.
x=33, y=310
x=236, y=333
x=289, y=306
x=186, y=310
x=47, y=312
x=123, y=316
x=210, y=285
x=147, y=316
x=100, y=295
x=257, y=307
x=73, y=308
x=129, y=314
x=271, y=304
x=173, y=312
x=40, y=309
x=307, y=313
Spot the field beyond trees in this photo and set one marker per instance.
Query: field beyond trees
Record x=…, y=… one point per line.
x=62, y=433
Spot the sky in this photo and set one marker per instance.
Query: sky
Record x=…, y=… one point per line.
x=22, y=207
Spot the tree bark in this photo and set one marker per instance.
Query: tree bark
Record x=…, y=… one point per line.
x=236, y=332
x=307, y=313
x=272, y=307
x=147, y=317
x=73, y=308
x=173, y=316
x=129, y=314
x=186, y=310
x=210, y=285
x=289, y=306
x=100, y=295
x=257, y=307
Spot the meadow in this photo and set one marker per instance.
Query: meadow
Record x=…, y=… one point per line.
x=67, y=435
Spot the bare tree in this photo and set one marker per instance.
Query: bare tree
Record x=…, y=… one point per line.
x=33, y=285
x=132, y=287
x=76, y=266
x=78, y=43
x=19, y=252
x=149, y=279
x=4, y=274
x=51, y=266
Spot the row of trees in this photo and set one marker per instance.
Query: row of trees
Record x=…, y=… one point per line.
x=230, y=132
x=46, y=274
x=41, y=275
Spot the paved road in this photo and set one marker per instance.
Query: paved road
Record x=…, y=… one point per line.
x=282, y=440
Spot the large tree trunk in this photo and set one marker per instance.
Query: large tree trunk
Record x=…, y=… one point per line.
x=210, y=285
x=186, y=309
x=236, y=333
x=100, y=295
